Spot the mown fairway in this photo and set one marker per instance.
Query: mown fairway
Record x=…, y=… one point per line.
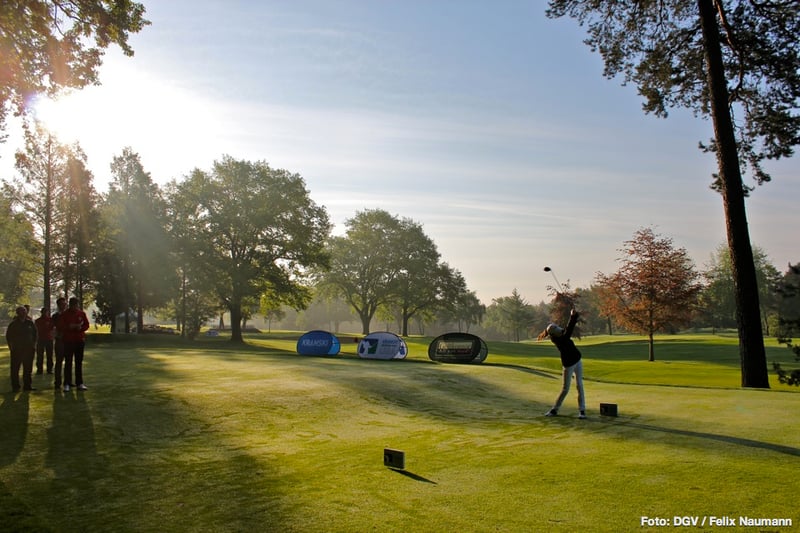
x=207, y=437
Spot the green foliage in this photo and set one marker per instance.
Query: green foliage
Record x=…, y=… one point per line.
x=250, y=229
x=512, y=315
x=789, y=322
x=465, y=311
x=660, y=47
x=139, y=274
x=75, y=246
x=718, y=296
x=18, y=254
x=735, y=62
x=55, y=190
x=46, y=45
x=42, y=191
x=387, y=263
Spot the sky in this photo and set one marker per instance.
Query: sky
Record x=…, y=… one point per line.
x=486, y=122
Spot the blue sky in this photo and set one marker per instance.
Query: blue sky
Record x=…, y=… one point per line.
x=486, y=122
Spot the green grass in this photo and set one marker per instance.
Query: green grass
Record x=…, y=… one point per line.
x=210, y=437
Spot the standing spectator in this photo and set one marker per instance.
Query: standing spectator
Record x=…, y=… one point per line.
x=21, y=340
x=44, y=341
x=73, y=324
x=61, y=306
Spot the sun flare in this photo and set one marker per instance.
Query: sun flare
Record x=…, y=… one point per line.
x=155, y=117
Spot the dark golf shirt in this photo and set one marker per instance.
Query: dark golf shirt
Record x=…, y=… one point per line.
x=569, y=352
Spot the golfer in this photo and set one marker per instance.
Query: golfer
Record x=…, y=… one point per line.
x=570, y=361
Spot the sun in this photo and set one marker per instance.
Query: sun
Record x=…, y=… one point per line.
x=156, y=117
x=59, y=116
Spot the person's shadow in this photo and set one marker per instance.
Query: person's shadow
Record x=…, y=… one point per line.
x=72, y=451
x=13, y=425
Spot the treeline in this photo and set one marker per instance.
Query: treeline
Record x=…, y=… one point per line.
x=244, y=239
x=240, y=238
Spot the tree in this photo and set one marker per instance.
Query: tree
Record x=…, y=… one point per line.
x=511, y=314
x=718, y=298
x=423, y=284
x=45, y=45
x=592, y=319
x=55, y=191
x=465, y=310
x=789, y=322
x=655, y=288
x=196, y=301
x=255, y=229
x=75, y=249
x=138, y=212
x=113, y=295
x=719, y=58
x=43, y=168
x=363, y=264
x=18, y=252
x=271, y=309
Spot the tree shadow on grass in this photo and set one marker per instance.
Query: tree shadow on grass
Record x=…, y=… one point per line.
x=436, y=402
x=129, y=455
x=522, y=368
x=739, y=441
x=13, y=425
x=455, y=396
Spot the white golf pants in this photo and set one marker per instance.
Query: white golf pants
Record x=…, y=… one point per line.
x=566, y=381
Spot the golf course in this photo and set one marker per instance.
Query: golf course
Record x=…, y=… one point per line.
x=212, y=436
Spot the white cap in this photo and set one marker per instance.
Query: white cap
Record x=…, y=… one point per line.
x=554, y=330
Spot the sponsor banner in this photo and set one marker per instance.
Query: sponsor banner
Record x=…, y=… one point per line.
x=458, y=348
x=382, y=345
x=318, y=342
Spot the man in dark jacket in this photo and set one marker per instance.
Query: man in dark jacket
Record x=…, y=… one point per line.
x=21, y=340
x=58, y=347
x=570, y=362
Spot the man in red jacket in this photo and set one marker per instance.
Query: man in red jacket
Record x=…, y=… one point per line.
x=44, y=341
x=72, y=325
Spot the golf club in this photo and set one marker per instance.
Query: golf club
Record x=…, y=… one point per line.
x=548, y=269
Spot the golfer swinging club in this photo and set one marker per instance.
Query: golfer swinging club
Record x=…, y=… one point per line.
x=570, y=361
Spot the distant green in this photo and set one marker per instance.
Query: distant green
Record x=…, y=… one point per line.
x=207, y=436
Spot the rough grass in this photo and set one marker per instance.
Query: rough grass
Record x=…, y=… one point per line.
x=211, y=437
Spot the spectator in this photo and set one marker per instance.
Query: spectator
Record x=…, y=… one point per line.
x=21, y=340
x=72, y=324
x=61, y=306
x=44, y=341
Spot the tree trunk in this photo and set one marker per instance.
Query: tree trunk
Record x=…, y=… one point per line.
x=651, y=348
x=139, y=308
x=751, y=340
x=126, y=306
x=236, y=322
x=182, y=319
x=48, y=229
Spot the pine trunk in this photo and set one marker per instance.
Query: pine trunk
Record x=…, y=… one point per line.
x=751, y=339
